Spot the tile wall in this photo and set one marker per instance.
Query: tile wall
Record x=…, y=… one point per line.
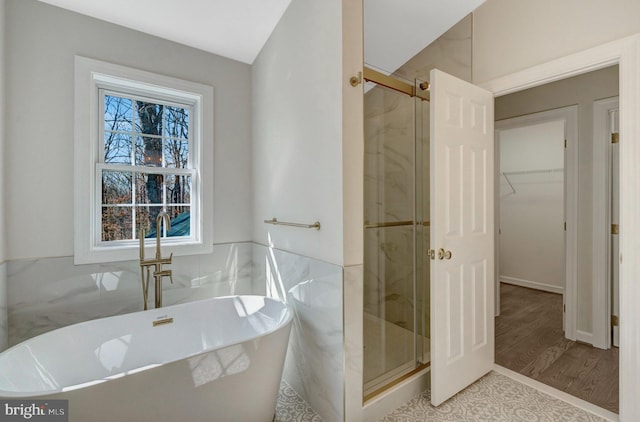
x=50, y=293
x=315, y=359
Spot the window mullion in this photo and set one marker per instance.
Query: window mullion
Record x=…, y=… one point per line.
x=134, y=114
x=145, y=169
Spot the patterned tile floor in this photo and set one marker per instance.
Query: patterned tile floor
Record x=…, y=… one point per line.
x=292, y=408
x=494, y=397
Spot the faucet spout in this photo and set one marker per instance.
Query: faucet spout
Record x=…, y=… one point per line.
x=167, y=224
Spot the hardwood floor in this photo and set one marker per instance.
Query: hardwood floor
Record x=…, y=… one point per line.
x=530, y=340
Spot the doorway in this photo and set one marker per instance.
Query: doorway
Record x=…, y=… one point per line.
x=536, y=209
x=532, y=208
x=556, y=361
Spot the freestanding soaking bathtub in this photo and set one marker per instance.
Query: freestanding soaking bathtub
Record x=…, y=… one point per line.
x=219, y=359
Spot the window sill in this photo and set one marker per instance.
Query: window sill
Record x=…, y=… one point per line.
x=107, y=254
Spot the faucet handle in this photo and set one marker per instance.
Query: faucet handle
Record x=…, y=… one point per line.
x=164, y=273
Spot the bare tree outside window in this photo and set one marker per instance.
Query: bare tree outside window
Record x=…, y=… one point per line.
x=144, y=135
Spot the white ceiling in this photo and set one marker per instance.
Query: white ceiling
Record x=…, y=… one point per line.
x=395, y=30
x=231, y=28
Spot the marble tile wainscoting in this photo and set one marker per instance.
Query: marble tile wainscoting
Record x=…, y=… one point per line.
x=314, y=367
x=45, y=294
x=49, y=293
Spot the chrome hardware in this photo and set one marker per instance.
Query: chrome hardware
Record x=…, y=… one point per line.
x=158, y=262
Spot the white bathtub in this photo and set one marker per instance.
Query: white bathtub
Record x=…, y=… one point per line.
x=220, y=359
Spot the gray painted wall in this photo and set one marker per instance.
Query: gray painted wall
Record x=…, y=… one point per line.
x=3, y=283
x=41, y=42
x=298, y=174
x=509, y=35
x=297, y=131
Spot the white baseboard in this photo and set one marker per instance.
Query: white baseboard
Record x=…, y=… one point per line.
x=560, y=395
x=531, y=284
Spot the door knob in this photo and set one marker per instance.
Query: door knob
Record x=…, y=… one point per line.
x=442, y=254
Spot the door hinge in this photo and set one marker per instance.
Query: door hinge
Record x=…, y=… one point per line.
x=615, y=229
x=615, y=138
x=615, y=321
x=564, y=307
x=565, y=226
x=565, y=143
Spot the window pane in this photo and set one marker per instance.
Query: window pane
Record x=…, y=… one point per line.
x=148, y=151
x=180, y=221
x=176, y=153
x=116, y=187
x=117, y=148
x=177, y=122
x=146, y=218
x=149, y=118
x=117, y=113
x=178, y=189
x=116, y=223
x=149, y=188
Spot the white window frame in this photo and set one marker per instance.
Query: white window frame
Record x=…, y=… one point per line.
x=91, y=76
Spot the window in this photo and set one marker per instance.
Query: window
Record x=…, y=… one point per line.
x=139, y=142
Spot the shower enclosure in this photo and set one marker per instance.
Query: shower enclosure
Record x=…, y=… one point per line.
x=396, y=230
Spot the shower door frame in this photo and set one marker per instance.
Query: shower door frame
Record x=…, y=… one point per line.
x=419, y=91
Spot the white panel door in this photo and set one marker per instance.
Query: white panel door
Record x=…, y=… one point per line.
x=462, y=230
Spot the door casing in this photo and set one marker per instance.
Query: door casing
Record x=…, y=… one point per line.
x=626, y=53
x=601, y=268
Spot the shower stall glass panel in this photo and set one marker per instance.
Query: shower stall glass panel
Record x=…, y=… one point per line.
x=395, y=236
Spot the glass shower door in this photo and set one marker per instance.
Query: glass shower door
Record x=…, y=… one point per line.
x=394, y=300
